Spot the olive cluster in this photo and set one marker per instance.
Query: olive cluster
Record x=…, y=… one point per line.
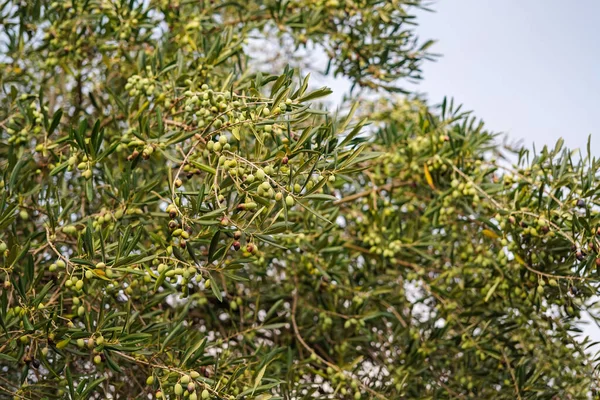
x=147, y=86
x=21, y=128
x=79, y=38
x=346, y=386
x=226, y=110
x=185, y=384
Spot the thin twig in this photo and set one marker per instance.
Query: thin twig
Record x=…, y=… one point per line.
x=310, y=349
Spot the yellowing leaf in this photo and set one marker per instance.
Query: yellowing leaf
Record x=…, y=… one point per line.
x=101, y=274
x=491, y=234
x=107, y=61
x=492, y=289
x=428, y=176
x=259, y=377
x=192, y=25
x=236, y=133
x=519, y=260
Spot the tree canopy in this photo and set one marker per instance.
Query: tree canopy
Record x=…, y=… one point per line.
x=182, y=217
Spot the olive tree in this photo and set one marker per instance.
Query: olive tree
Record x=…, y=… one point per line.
x=181, y=217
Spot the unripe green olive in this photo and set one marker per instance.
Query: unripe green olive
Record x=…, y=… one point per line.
x=289, y=201
x=97, y=359
x=150, y=380
x=205, y=394
x=178, y=390
x=69, y=230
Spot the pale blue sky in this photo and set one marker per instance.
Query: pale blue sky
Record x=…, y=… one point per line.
x=529, y=68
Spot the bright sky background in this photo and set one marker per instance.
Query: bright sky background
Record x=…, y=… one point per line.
x=529, y=68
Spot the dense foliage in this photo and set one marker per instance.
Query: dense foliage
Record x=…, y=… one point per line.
x=181, y=219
